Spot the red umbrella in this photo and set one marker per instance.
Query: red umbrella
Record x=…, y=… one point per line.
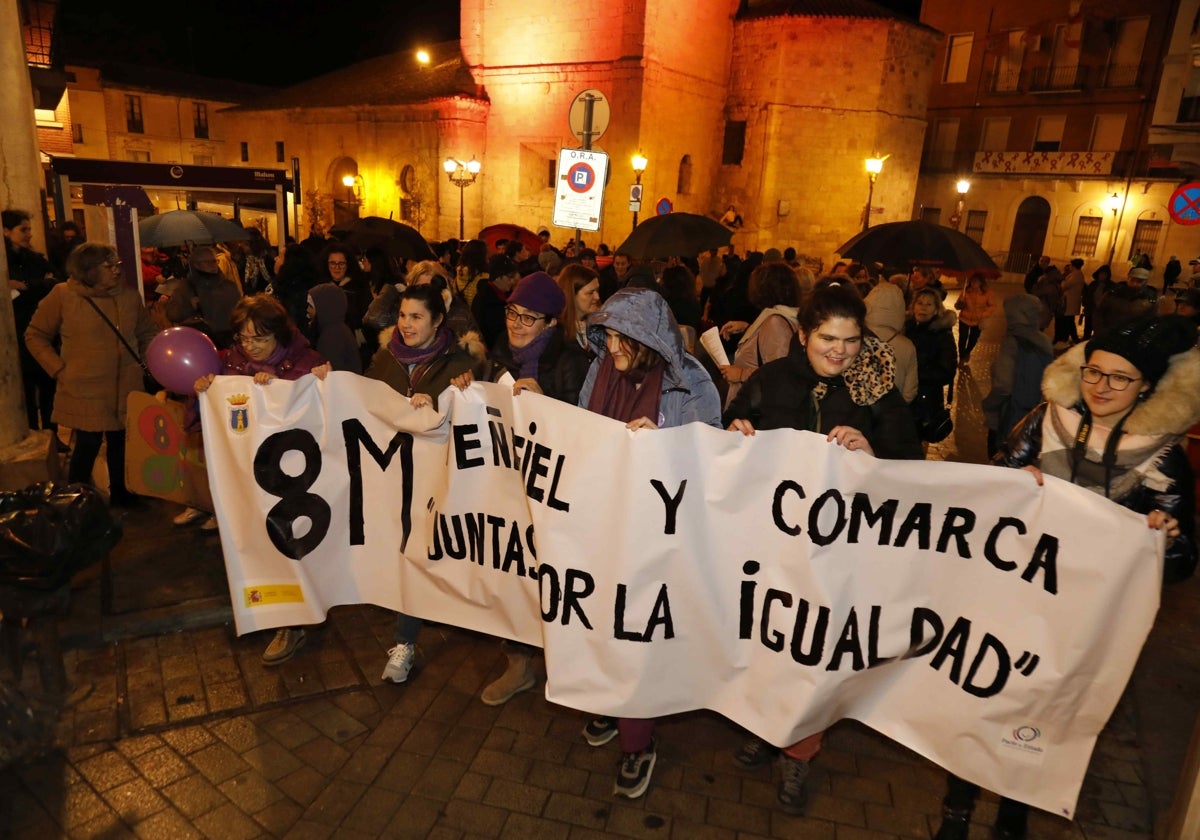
x=494, y=233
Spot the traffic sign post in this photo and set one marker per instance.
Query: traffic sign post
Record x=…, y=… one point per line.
x=1184, y=205
x=579, y=193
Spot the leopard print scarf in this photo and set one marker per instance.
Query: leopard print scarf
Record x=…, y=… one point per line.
x=872, y=374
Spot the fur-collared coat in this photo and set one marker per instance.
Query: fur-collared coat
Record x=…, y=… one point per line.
x=467, y=354
x=94, y=371
x=1152, y=470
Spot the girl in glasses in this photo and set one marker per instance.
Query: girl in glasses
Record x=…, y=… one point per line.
x=1115, y=414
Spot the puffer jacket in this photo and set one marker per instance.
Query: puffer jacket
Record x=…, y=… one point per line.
x=885, y=318
x=779, y=396
x=466, y=355
x=689, y=395
x=1165, y=480
x=561, y=367
x=94, y=371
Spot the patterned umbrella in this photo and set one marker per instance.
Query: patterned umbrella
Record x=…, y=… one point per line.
x=179, y=227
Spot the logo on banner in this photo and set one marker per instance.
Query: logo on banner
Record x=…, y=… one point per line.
x=1022, y=740
x=239, y=413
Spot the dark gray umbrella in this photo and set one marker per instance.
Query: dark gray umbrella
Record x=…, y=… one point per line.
x=179, y=227
x=396, y=239
x=675, y=235
x=918, y=243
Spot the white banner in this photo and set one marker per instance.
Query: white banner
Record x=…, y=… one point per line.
x=781, y=581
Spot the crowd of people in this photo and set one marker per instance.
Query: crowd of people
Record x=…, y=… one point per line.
x=865, y=357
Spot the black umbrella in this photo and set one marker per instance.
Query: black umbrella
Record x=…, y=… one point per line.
x=675, y=235
x=179, y=227
x=918, y=243
x=396, y=239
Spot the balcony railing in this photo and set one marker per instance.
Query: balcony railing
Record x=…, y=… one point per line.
x=1069, y=78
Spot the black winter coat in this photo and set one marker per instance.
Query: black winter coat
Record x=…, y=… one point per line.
x=561, y=369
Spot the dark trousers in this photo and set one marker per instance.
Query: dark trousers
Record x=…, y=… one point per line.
x=83, y=459
x=39, y=392
x=968, y=337
x=961, y=796
x=1064, y=328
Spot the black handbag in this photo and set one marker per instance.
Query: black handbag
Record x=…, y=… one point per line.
x=933, y=419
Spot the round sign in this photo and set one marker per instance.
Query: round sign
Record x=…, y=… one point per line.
x=580, y=177
x=664, y=206
x=1184, y=205
x=600, y=115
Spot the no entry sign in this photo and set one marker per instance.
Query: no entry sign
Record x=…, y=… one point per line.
x=1184, y=205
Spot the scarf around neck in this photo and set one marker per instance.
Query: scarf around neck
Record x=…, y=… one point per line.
x=527, y=357
x=268, y=365
x=408, y=356
x=628, y=395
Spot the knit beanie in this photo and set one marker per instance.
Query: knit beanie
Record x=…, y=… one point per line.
x=538, y=292
x=1148, y=343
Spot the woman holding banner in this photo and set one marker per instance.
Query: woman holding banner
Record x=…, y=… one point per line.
x=643, y=377
x=1115, y=413
x=419, y=359
x=839, y=382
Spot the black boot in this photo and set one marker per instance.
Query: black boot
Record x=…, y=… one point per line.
x=955, y=824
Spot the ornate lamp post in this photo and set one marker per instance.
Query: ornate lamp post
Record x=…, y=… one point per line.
x=462, y=175
x=962, y=186
x=874, y=167
x=639, y=166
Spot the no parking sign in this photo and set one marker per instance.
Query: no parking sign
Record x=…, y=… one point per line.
x=1184, y=205
x=579, y=193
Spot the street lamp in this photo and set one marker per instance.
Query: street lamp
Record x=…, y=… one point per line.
x=874, y=167
x=423, y=58
x=355, y=184
x=1113, y=202
x=461, y=175
x=639, y=166
x=962, y=186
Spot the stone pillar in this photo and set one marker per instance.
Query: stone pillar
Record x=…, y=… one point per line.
x=20, y=186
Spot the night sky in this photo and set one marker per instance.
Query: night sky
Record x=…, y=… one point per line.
x=274, y=42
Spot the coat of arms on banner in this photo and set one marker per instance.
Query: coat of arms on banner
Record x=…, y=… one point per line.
x=239, y=412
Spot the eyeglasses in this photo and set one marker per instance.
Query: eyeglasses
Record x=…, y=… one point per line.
x=1116, y=381
x=112, y=265
x=333, y=264
x=258, y=340
x=526, y=320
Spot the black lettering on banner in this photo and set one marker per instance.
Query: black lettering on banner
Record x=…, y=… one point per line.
x=1003, y=667
x=918, y=645
x=777, y=506
x=957, y=524
x=955, y=647
x=539, y=468
x=660, y=614
x=773, y=639
x=817, y=648
x=917, y=521
x=746, y=601
x=814, y=516
x=548, y=586
x=499, y=444
x=670, y=503
x=355, y=434
x=464, y=445
x=572, y=596
x=295, y=501
x=989, y=547
x=860, y=511
x=1045, y=558
x=847, y=643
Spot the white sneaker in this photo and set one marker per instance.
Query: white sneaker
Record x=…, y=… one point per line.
x=210, y=524
x=400, y=662
x=189, y=516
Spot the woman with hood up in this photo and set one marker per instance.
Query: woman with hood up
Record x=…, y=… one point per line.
x=885, y=320
x=1017, y=370
x=334, y=340
x=1116, y=411
x=643, y=377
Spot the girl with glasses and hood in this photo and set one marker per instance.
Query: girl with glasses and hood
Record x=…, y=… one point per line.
x=1116, y=411
x=643, y=377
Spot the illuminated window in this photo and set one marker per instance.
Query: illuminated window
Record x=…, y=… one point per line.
x=245, y=152
x=683, y=185
x=1145, y=237
x=280, y=157
x=133, y=114
x=976, y=220
x=958, y=58
x=735, y=143
x=932, y=215
x=200, y=120
x=1086, y=237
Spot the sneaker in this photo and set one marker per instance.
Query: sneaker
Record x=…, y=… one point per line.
x=283, y=647
x=400, y=662
x=600, y=731
x=518, y=676
x=634, y=776
x=188, y=516
x=210, y=524
x=792, y=793
x=755, y=753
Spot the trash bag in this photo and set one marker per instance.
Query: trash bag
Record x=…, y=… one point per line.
x=49, y=531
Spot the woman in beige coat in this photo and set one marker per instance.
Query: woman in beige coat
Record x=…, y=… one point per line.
x=93, y=370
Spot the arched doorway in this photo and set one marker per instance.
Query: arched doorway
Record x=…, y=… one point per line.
x=1029, y=234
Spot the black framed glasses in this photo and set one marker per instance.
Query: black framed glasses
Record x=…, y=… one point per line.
x=526, y=320
x=257, y=340
x=1116, y=381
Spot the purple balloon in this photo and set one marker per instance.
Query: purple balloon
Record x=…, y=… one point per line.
x=179, y=356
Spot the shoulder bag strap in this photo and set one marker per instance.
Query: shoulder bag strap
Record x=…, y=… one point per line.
x=117, y=333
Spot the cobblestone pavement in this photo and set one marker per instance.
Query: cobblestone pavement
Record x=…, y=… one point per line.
x=186, y=734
